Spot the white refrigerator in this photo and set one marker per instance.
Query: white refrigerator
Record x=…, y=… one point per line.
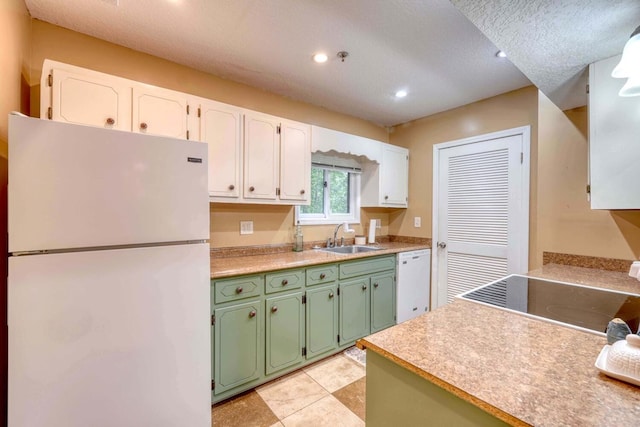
x=108, y=287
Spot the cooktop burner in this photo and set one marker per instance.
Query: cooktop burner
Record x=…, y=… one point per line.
x=580, y=306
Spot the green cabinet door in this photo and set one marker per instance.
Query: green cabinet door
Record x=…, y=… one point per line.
x=237, y=357
x=322, y=320
x=382, y=301
x=354, y=310
x=284, y=331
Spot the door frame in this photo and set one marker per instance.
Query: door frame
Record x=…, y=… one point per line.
x=522, y=215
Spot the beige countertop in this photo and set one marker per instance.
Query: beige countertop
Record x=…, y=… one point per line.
x=522, y=370
x=237, y=265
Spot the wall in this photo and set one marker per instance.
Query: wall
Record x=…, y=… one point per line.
x=509, y=110
x=566, y=222
x=272, y=224
x=15, y=41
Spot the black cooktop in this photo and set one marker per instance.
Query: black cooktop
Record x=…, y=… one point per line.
x=581, y=306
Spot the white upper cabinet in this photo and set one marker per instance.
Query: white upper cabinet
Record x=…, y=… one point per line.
x=277, y=159
x=86, y=99
x=614, y=140
x=387, y=184
x=261, y=156
x=158, y=111
x=394, y=176
x=221, y=128
x=295, y=162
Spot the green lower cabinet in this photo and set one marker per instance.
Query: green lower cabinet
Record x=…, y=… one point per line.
x=322, y=320
x=284, y=331
x=382, y=301
x=354, y=310
x=237, y=345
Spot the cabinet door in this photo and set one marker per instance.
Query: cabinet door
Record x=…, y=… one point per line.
x=159, y=111
x=322, y=320
x=354, y=310
x=261, y=148
x=237, y=346
x=285, y=331
x=394, y=176
x=87, y=100
x=221, y=127
x=382, y=301
x=295, y=162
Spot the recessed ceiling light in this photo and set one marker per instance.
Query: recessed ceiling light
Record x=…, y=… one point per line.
x=401, y=94
x=320, y=57
x=501, y=54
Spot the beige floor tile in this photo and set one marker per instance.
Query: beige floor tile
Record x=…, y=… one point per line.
x=328, y=412
x=353, y=396
x=244, y=410
x=336, y=372
x=291, y=393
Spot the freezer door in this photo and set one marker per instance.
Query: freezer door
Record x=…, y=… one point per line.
x=73, y=186
x=110, y=338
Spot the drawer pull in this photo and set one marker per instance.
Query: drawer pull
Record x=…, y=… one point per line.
x=285, y=282
x=330, y=294
x=239, y=290
x=274, y=309
x=252, y=314
x=322, y=276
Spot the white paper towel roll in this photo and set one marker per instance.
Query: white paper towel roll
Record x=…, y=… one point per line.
x=372, y=231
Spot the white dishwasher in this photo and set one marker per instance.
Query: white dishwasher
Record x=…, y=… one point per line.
x=413, y=284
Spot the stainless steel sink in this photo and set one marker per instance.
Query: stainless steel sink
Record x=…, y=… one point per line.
x=353, y=249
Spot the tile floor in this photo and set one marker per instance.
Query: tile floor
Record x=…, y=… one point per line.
x=330, y=392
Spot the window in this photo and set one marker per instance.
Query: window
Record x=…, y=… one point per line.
x=335, y=196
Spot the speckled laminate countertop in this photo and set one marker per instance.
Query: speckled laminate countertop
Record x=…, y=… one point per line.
x=522, y=370
x=234, y=266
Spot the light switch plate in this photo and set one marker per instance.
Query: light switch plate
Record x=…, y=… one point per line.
x=246, y=227
x=417, y=222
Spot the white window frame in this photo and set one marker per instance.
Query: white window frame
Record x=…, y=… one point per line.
x=327, y=217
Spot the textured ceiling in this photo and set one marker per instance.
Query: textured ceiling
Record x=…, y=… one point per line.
x=553, y=41
x=427, y=47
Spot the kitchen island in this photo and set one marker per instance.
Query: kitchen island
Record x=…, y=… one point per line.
x=469, y=364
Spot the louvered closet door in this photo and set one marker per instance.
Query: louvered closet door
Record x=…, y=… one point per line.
x=479, y=195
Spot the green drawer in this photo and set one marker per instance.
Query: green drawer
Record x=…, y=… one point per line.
x=322, y=274
x=284, y=280
x=367, y=266
x=237, y=288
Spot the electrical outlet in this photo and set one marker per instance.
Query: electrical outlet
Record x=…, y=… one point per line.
x=246, y=227
x=417, y=222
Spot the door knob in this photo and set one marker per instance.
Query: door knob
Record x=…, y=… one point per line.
x=442, y=245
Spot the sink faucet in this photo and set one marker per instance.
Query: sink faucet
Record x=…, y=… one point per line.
x=345, y=229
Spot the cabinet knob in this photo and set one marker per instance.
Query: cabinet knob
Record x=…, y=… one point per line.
x=322, y=276
x=231, y=187
x=330, y=294
x=285, y=282
x=239, y=290
x=252, y=314
x=110, y=121
x=375, y=285
x=143, y=126
x=274, y=308
x=364, y=287
x=251, y=188
x=386, y=197
x=302, y=191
